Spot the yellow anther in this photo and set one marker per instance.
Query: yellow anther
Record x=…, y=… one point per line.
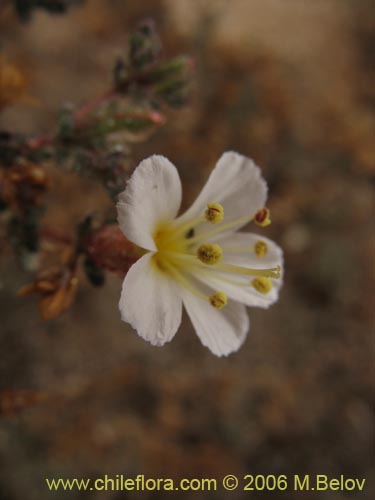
x=219, y=300
x=262, y=217
x=210, y=253
x=262, y=285
x=260, y=248
x=214, y=213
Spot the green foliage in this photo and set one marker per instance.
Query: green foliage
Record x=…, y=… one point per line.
x=144, y=74
x=93, y=141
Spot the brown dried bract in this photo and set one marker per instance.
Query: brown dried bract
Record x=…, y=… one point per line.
x=56, y=287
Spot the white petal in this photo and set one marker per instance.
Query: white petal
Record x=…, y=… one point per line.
x=247, y=256
x=150, y=302
x=152, y=195
x=221, y=331
x=237, y=184
x=242, y=292
x=245, y=293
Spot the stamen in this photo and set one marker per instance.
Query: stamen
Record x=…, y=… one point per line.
x=180, y=278
x=183, y=228
x=221, y=228
x=218, y=277
x=262, y=285
x=260, y=248
x=218, y=300
x=210, y=253
x=273, y=272
x=262, y=217
x=191, y=261
x=214, y=213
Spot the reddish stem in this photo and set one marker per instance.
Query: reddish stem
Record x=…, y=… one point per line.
x=89, y=107
x=39, y=142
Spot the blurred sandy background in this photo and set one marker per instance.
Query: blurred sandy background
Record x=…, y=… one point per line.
x=287, y=82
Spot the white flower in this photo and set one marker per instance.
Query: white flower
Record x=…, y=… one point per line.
x=198, y=259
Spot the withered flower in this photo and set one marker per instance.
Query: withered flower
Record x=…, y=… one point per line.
x=56, y=287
